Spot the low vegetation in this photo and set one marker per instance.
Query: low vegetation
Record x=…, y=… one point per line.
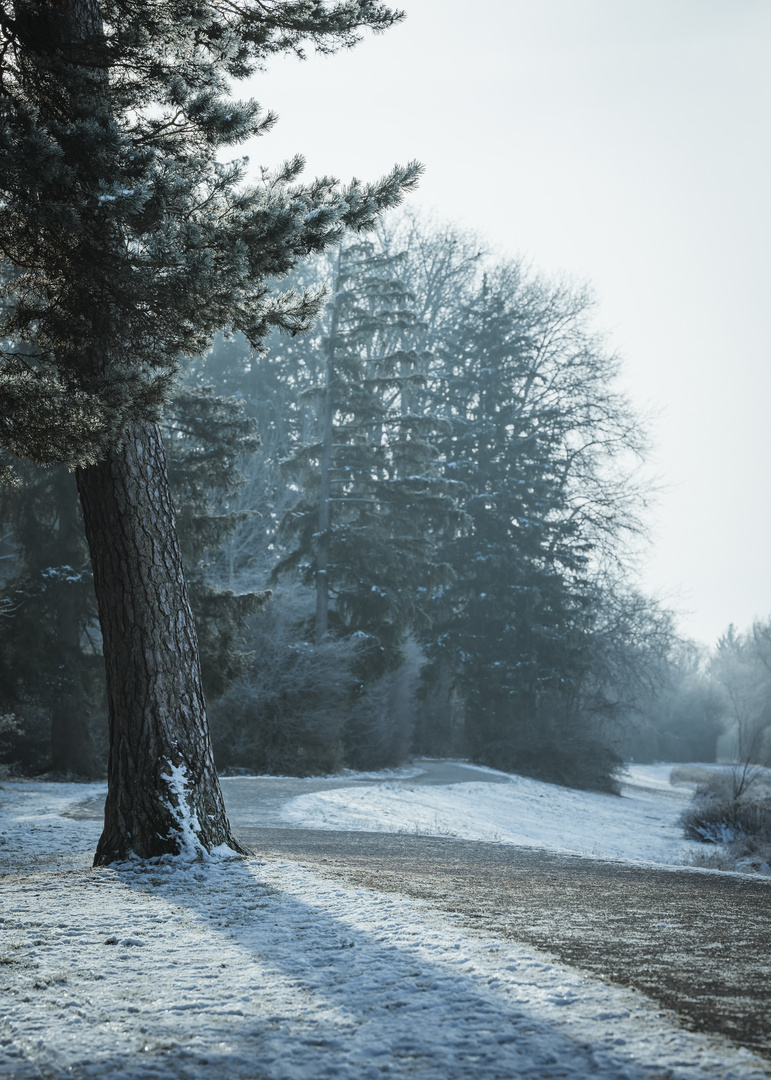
x=730, y=810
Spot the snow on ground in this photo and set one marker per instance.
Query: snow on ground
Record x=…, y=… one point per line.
x=246, y=970
x=641, y=826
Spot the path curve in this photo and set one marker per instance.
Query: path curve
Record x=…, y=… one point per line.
x=695, y=941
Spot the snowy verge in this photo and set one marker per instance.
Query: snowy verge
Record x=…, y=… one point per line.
x=642, y=825
x=251, y=970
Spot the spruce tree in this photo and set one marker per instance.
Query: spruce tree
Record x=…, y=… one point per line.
x=373, y=497
x=207, y=438
x=133, y=244
x=537, y=436
x=510, y=601
x=272, y=387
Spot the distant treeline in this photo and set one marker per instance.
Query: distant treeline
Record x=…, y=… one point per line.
x=409, y=530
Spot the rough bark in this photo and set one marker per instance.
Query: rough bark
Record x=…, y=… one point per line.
x=163, y=793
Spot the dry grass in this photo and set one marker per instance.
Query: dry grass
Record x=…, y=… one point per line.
x=731, y=810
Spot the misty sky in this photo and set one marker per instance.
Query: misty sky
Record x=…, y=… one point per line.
x=623, y=142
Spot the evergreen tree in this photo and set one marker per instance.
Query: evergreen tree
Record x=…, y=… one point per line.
x=272, y=386
x=537, y=443
x=207, y=438
x=133, y=244
x=374, y=500
x=536, y=429
x=51, y=676
x=50, y=671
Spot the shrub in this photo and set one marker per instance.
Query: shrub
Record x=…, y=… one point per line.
x=304, y=709
x=723, y=821
x=286, y=715
x=731, y=809
x=378, y=730
x=25, y=743
x=9, y=730
x=691, y=774
x=573, y=759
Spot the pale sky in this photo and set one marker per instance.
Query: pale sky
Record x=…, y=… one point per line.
x=623, y=142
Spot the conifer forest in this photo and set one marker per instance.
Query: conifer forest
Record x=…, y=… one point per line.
x=406, y=530
x=295, y=477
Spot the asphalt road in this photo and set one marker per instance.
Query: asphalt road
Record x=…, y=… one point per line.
x=696, y=942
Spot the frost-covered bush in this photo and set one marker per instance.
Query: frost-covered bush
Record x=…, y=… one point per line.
x=691, y=774
x=733, y=812
x=379, y=728
x=286, y=715
x=722, y=821
x=304, y=709
x=25, y=747
x=9, y=729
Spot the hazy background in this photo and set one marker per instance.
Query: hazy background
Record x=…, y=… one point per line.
x=626, y=143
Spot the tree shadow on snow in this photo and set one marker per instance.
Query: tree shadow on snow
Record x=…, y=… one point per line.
x=308, y=978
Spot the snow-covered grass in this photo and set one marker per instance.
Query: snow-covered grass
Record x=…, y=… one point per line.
x=246, y=970
x=403, y=772
x=642, y=825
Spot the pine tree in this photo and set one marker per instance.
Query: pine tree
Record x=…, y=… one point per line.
x=133, y=244
x=373, y=497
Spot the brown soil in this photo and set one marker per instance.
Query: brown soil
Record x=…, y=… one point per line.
x=696, y=942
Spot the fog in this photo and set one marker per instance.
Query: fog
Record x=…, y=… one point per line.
x=623, y=144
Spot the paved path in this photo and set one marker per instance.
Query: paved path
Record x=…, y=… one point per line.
x=695, y=941
x=257, y=800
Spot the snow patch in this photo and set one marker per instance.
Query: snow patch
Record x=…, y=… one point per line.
x=183, y=812
x=243, y=969
x=239, y=968
x=641, y=826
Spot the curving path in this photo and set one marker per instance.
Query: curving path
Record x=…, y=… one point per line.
x=695, y=941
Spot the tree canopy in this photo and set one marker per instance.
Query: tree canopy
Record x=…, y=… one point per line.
x=127, y=240
x=131, y=241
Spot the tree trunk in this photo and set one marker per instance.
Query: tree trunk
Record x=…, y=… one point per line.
x=163, y=793
x=325, y=469
x=322, y=545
